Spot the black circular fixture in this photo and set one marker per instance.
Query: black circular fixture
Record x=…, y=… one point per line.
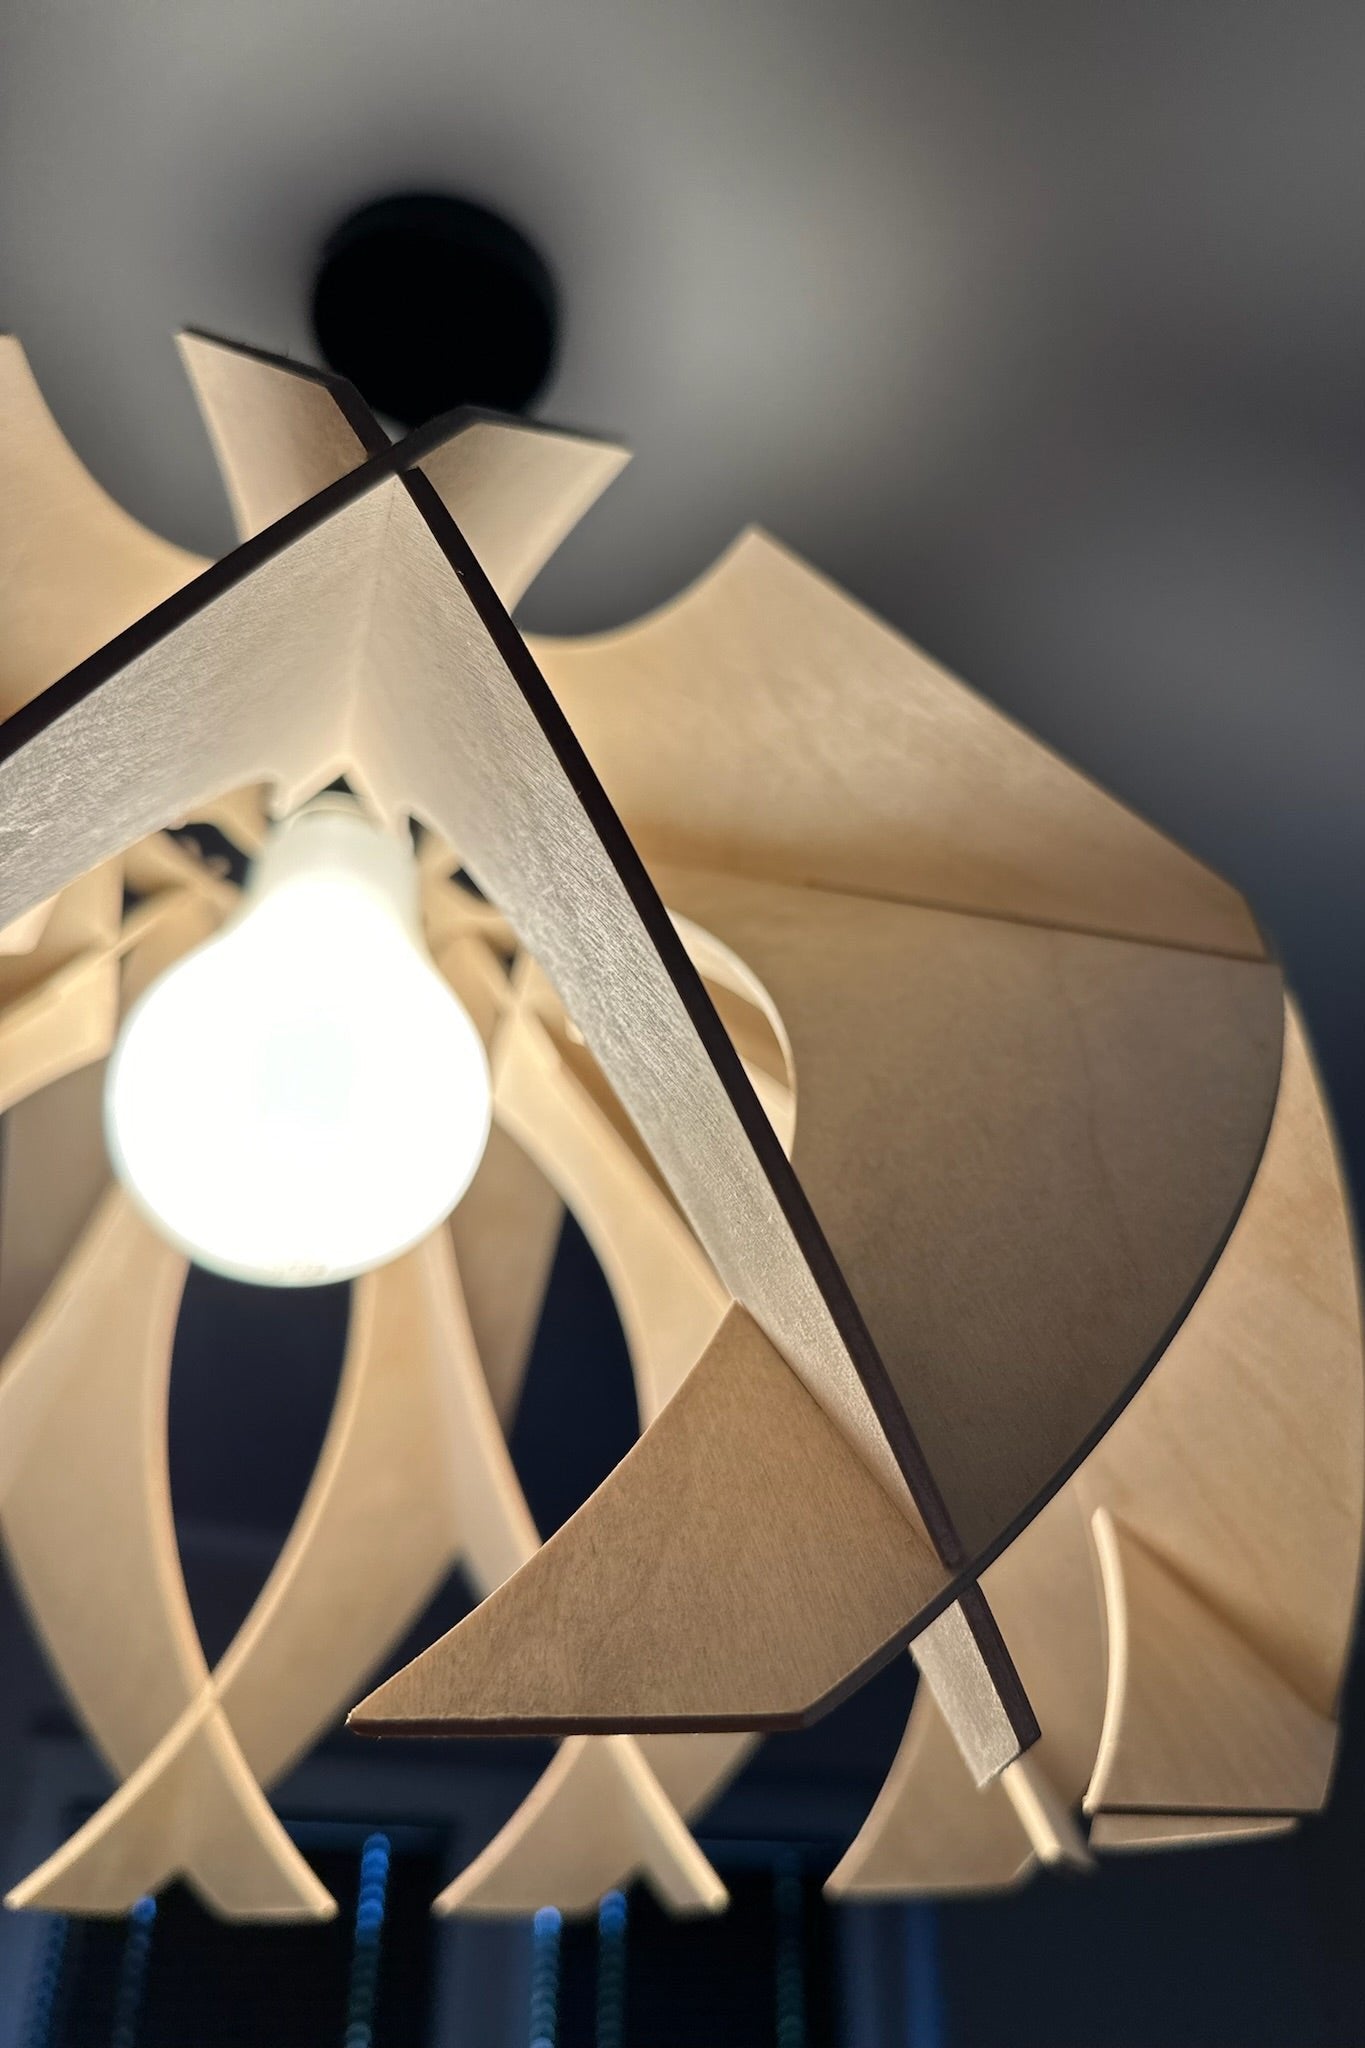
x=428, y=302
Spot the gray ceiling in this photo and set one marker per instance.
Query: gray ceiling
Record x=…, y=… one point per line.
x=1041, y=327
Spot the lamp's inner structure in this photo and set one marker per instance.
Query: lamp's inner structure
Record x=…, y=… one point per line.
x=959, y=1169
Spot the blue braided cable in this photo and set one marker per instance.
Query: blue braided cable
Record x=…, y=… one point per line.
x=612, y=1916
x=789, y=1964
x=47, y=1982
x=363, y=1988
x=545, y=1932
x=132, y=1975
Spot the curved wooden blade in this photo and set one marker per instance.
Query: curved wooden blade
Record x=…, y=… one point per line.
x=88, y=1527
x=932, y=1831
x=281, y=431
x=191, y=1809
x=1077, y=1118
x=74, y=568
x=665, y=1289
x=378, y=1530
x=739, y=1568
x=597, y=1819
x=1194, y=1717
x=516, y=489
x=1261, y=1398
x=505, y=1231
x=764, y=724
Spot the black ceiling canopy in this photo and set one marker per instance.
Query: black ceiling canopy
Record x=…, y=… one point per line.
x=428, y=302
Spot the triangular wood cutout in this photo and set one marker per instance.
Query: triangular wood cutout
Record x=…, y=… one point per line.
x=1076, y=1120
x=737, y=1568
x=764, y=724
x=1194, y=1718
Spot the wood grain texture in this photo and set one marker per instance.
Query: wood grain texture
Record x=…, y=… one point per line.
x=1194, y=1717
x=738, y=1565
x=1076, y=1121
x=764, y=724
x=75, y=569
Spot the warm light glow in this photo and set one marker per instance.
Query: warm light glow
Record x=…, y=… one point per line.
x=303, y=1097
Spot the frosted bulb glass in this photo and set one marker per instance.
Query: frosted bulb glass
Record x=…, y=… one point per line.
x=302, y=1098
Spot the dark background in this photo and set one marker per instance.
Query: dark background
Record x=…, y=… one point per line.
x=1042, y=329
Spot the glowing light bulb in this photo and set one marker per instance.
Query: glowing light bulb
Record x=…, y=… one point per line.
x=302, y=1098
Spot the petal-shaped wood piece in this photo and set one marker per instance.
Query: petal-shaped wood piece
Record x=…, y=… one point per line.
x=738, y=1566
x=1076, y=1121
x=1195, y=1718
x=597, y=1819
x=765, y=724
x=74, y=568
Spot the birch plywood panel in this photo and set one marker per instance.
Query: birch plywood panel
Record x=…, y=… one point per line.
x=764, y=724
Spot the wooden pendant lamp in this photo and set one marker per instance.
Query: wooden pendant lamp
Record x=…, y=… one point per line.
x=967, y=1198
